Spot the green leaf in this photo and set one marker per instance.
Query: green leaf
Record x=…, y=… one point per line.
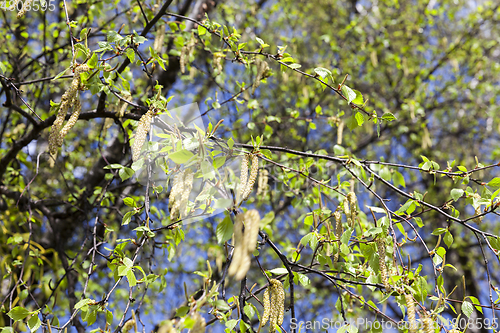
x=467, y=308
x=448, y=238
x=359, y=98
x=18, y=313
x=359, y=118
x=323, y=72
x=60, y=74
x=439, y=231
x=348, y=93
x=388, y=116
x=201, y=30
x=125, y=173
x=231, y=323
x=127, y=217
x=83, y=302
x=352, y=123
x=181, y=156
x=495, y=182
x=249, y=311
x=34, y=323
x=278, y=271
x=295, y=66
x=113, y=36
x=456, y=193
x=92, y=61
x=303, y=279
x=224, y=230
x=130, y=202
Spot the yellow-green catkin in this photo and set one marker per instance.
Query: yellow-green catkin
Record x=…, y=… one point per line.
x=267, y=308
x=254, y=169
x=252, y=220
x=352, y=200
x=262, y=69
x=410, y=304
x=276, y=305
x=244, y=242
x=128, y=325
x=262, y=182
x=339, y=229
x=199, y=324
x=159, y=38
x=141, y=133
x=240, y=248
x=347, y=212
x=382, y=266
x=186, y=191
x=174, y=199
x=243, y=176
x=428, y=325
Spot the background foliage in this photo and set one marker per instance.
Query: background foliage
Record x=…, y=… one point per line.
x=412, y=130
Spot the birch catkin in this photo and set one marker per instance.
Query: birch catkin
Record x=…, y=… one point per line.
x=262, y=183
x=244, y=242
x=141, y=133
x=410, y=304
x=199, y=324
x=428, y=325
x=339, y=230
x=186, y=191
x=243, y=176
x=274, y=305
x=175, y=195
x=57, y=131
x=381, y=257
x=352, y=200
x=254, y=169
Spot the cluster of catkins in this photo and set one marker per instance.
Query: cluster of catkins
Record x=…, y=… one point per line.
x=350, y=209
x=69, y=98
x=179, y=194
x=246, y=183
x=141, y=133
x=274, y=305
x=244, y=242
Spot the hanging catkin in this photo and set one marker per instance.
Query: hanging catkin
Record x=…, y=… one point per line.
x=199, y=324
x=141, y=133
x=274, y=305
x=262, y=182
x=69, y=98
x=254, y=169
x=188, y=186
x=243, y=176
x=352, y=200
x=428, y=325
x=381, y=257
x=244, y=242
x=175, y=195
x=338, y=232
x=410, y=304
